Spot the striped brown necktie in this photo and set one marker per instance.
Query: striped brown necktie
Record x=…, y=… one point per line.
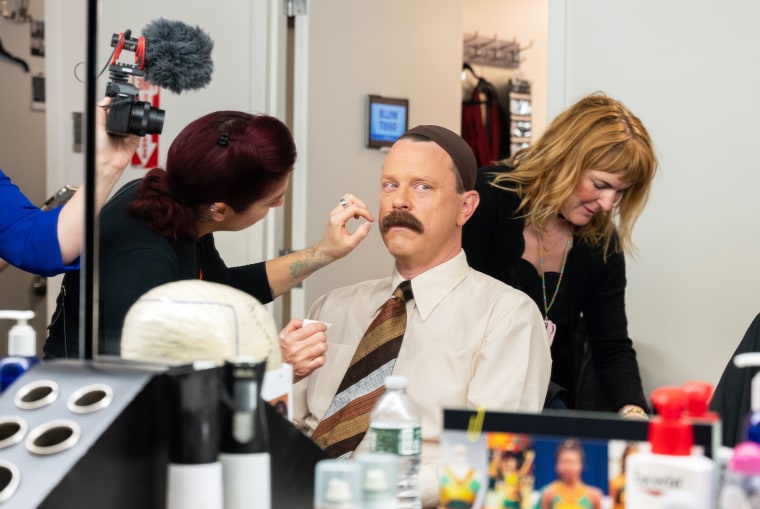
x=347, y=419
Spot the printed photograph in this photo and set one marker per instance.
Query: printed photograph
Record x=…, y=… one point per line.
x=503, y=470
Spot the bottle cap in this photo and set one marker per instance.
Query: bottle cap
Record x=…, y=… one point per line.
x=395, y=382
x=336, y=483
x=698, y=396
x=338, y=491
x=751, y=359
x=669, y=432
x=379, y=475
x=375, y=481
x=746, y=459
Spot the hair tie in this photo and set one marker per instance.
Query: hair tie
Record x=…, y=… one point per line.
x=223, y=140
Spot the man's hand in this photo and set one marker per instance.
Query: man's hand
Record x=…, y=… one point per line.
x=303, y=346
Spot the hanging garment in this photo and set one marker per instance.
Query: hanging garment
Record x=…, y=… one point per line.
x=483, y=124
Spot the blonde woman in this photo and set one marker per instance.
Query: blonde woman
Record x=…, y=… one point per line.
x=555, y=221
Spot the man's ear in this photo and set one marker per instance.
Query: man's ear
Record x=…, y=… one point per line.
x=470, y=202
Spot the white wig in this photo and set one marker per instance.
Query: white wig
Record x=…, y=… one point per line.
x=194, y=320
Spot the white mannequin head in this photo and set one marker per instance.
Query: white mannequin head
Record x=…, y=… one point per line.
x=195, y=320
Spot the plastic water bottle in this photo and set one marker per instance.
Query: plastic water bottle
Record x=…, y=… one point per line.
x=394, y=426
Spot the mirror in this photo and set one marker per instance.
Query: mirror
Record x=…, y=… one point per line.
x=15, y=10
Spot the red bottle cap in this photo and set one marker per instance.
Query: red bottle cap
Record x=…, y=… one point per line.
x=669, y=432
x=698, y=396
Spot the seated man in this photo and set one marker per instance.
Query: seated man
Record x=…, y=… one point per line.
x=469, y=339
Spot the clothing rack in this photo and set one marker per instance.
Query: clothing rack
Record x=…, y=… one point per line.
x=492, y=51
x=484, y=123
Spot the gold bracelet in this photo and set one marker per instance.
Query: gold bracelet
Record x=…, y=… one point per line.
x=632, y=409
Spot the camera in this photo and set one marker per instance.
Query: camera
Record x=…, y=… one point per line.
x=127, y=115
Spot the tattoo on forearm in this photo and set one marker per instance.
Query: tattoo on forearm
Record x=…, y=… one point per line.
x=305, y=266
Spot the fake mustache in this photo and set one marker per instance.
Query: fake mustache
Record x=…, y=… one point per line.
x=402, y=219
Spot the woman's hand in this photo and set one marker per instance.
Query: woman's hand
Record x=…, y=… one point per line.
x=633, y=412
x=338, y=240
x=284, y=272
x=112, y=153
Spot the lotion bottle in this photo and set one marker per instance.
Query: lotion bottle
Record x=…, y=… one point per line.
x=22, y=347
x=671, y=475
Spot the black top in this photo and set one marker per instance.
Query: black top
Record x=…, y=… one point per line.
x=134, y=259
x=494, y=243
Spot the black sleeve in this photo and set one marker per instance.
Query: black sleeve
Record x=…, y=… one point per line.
x=607, y=326
x=252, y=279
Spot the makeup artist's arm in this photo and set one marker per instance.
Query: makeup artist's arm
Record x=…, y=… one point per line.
x=288, y=270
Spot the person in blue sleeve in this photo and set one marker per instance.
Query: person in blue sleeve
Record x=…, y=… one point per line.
x=48, y=242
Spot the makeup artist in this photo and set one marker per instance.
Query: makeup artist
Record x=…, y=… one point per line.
x=224, y=172
x=555, y=221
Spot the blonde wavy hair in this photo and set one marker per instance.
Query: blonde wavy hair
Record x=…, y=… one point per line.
x=598, y=133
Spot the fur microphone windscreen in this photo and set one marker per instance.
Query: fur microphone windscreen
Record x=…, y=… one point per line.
x=177, y=56
x=195, y=320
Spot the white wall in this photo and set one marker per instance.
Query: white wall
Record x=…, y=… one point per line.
x=688, y=70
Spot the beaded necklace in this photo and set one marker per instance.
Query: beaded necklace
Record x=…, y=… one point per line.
x=551, y=327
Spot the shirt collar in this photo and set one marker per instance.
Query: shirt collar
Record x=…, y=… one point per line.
x=430, y=287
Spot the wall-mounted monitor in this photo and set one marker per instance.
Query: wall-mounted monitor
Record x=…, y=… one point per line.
x=387, y=119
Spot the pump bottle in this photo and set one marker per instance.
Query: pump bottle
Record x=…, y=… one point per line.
x=752, y=426
x=22, y=347
x=671, y=475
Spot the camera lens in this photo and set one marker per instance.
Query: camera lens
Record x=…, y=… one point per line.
x=145, y=119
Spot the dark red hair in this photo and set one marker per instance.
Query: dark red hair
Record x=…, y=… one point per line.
x=226, y=156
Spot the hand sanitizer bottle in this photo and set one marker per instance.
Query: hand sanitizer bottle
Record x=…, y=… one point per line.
x=22, y=347
x=671, y=474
